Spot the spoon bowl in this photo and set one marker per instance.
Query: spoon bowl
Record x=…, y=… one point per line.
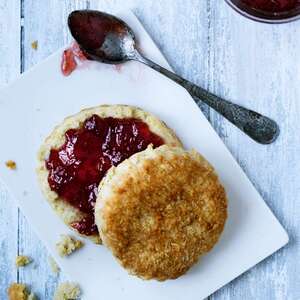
x=102, y=37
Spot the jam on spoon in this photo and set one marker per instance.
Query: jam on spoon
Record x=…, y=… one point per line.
x=77, y=167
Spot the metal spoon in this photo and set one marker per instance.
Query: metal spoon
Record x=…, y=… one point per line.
x=107, y=39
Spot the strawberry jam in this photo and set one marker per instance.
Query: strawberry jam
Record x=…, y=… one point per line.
x=77, y=167
x=272, y=5
x=269, y=10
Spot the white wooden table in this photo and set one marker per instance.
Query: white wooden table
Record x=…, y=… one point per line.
x=254, y=64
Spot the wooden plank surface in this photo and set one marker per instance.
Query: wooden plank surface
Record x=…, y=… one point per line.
x=9, y=70
x=254, y=64
x=258, y=66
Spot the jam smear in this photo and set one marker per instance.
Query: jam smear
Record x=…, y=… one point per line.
x=77, y=167
x=70, y=59
x=273, y=6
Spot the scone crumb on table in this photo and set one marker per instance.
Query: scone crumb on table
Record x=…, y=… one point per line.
x=22, y=260
x=67, y=291
x=67, y=245
x=10, y=164
x=19, y=291
x=53, y=265
x=34, y=45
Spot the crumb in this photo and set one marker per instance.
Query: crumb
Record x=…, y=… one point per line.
x=22, y=260
x=17, y=291
x=67, y=291
x=54, y=267
x=11, y=164
x=34, y=45
x=68, y=245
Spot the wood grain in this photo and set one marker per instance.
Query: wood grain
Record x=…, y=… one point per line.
x=9, y=70
x=253, y=64
x=258, y=66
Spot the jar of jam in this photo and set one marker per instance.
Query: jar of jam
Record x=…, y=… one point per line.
x=269, y=11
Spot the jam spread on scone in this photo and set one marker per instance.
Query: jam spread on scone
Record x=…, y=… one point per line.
x=77, y=167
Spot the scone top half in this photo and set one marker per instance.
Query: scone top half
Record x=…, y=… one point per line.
x=160, y=210
x=79, y=152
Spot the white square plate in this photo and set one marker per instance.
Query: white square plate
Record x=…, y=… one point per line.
x=42, y=98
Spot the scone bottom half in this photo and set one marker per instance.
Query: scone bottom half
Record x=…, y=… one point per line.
x=79, y=152
x=160, y=210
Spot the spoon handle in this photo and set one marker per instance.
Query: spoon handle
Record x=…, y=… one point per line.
x=260, y=128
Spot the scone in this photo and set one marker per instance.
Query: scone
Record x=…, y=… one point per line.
x=77, y=154
x=160, y=210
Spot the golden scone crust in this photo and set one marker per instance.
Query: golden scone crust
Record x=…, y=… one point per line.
x=160, y=210
x=56, y=139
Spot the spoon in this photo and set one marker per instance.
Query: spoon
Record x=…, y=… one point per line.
x=107, y=39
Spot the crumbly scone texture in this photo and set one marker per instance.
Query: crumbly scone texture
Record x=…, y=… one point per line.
x=11, y=164
x=67, y=245
x=17, y=291
x=67, y=291
x=160, y=210
x=22, y=260
x=56, y=139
